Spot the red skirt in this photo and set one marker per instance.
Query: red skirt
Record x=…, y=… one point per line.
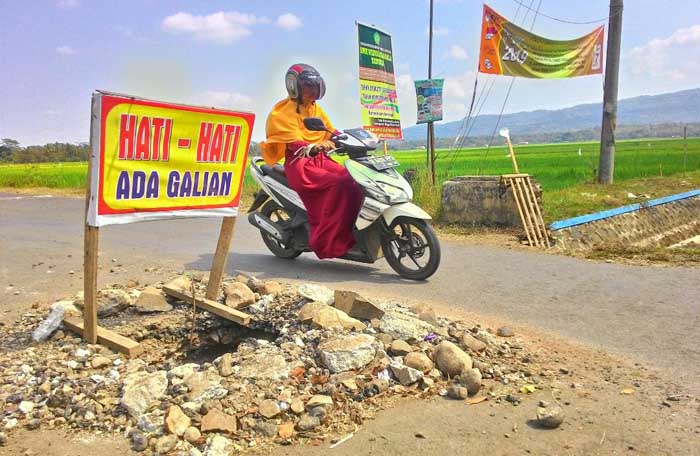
x=332, y=199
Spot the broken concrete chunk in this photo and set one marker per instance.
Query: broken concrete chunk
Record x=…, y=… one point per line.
x=238, y=295
x=142, y=390
x=316, y=293
x=327, y=317
x=400, y=326
x=344, y=353
x=216, y=420
x=356, y=306
x=152, y=300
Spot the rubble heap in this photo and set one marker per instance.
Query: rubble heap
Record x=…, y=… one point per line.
x=313, y=364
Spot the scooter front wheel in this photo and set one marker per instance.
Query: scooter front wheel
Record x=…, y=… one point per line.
x=279, y=215
x=411, y=248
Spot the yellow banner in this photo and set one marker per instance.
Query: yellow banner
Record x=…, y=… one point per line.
x=512, y=51
x=155, y=160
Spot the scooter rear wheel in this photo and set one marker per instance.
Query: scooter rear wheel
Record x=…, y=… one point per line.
x=411, y=248
x=279, y=215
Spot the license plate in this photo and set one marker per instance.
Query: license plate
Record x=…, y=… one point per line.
x=384, y=162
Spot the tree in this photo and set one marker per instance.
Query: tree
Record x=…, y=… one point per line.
x=7, y=148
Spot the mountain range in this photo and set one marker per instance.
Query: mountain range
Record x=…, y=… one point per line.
x=683, y=106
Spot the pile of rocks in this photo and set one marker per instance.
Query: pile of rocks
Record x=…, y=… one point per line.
x=315, y=362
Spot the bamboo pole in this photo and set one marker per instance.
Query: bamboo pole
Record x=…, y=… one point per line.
x=539, y=212
x=527, y=208
x=520, y=210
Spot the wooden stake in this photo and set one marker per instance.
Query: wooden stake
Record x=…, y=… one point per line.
x=106, y=337
x=530, y=212
x=512, y=155
x=386, y=148
x=214, y=307
x=520, y=210
x=539, y=212
x=219, y=264
x=90, y=284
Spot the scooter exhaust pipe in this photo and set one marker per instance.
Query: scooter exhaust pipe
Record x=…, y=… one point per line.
x=265, y=224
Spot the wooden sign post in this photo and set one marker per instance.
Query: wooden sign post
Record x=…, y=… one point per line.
x=151, y=160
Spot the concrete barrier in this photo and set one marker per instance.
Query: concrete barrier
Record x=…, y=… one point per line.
x=481, y=201
x=656, y=223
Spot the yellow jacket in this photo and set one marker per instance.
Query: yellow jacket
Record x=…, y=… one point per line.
x=285, y=125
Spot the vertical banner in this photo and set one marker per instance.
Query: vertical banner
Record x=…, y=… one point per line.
x=429, y=99
x=509, y=50
x=152, y=160
x=380, y=105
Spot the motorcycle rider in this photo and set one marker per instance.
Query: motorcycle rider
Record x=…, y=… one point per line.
x=331, y=197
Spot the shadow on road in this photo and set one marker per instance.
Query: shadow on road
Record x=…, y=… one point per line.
x=303, y=268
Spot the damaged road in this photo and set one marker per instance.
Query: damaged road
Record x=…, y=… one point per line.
x=649, y=315
x=626, y=310
x=306, y=372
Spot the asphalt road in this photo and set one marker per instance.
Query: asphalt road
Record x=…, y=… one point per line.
x=647, y=314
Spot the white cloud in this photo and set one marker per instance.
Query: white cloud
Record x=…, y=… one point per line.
x=66, y=50
x=457, y=94
x=674, y=58
x=457, y=52
x=224, y=99
x=220, y=27
x=406, y=91
x=289, y=22
x=67, y=4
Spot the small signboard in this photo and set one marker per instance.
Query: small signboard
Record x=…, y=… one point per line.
x=152, y=160
x=429, y=99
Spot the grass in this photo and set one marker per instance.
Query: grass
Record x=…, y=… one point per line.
x=620, y=253
x=566, y=171
x=67, y=175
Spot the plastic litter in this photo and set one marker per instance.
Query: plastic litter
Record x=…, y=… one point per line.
x=344, y=439
x=49, y=325
x=430, y=337
x=384, y=375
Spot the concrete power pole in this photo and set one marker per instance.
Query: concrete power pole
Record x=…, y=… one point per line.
x=606, y=165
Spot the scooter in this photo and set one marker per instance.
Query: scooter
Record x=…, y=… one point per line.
x=388, y=223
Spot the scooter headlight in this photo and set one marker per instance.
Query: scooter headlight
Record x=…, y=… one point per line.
x=387, y=194
x=396, y=195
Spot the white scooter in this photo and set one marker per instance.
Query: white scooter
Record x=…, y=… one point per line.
x=388, y=224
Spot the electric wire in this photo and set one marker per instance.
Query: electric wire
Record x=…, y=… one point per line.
x=565, y=21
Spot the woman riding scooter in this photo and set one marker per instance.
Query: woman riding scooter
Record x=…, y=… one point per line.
x=330, y=195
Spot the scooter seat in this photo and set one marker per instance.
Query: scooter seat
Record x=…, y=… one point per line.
x=276, y=172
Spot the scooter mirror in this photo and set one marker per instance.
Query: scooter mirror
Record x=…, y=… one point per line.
x=314, y=124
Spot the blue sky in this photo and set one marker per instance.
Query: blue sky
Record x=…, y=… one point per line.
x=233, y=54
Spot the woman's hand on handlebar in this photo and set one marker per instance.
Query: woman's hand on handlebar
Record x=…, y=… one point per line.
x=324, y=146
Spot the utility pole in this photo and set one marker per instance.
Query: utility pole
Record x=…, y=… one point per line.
x=430, y=150
x=606, y=165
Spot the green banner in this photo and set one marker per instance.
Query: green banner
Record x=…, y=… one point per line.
x=380, y=106
x=429, y=99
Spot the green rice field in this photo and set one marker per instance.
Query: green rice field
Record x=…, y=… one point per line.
x=560, y=168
